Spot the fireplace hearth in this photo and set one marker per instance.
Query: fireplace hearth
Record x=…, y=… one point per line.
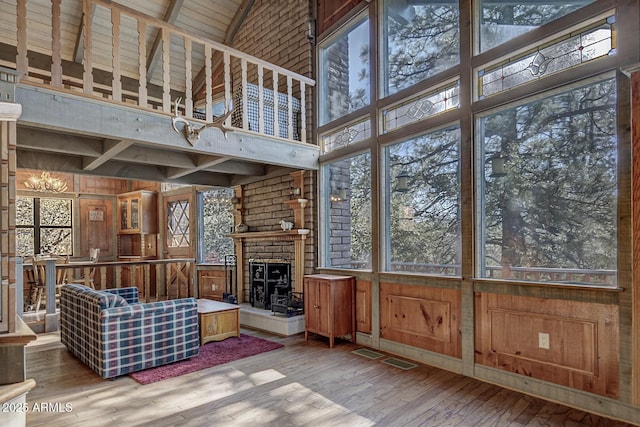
x=268, y=278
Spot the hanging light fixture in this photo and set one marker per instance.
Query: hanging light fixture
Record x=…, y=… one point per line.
x=46, y=183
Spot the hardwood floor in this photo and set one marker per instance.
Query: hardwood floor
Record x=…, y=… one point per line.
x=303, y=384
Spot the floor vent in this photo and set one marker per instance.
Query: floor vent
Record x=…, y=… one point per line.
x=369, y=354
x=402, y=364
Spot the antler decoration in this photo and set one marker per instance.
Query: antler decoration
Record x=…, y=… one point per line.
x=191, y=133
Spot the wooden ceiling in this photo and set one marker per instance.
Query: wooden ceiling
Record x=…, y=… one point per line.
x=66, y=133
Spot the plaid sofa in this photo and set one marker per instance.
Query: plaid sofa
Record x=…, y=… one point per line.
x=253, y=111
x=114, y=334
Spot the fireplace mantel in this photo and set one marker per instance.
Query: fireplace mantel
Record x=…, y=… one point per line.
x=300, y=233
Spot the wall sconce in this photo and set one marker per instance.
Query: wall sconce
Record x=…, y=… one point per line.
x=295, y=191
x=497, y=166
x=402, y=182
x=235, y=200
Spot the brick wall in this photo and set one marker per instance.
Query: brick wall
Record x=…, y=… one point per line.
x=274, y=30
x=264, y=207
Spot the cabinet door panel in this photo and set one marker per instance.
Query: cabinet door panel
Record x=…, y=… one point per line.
x=325, y=311
x=310, y=304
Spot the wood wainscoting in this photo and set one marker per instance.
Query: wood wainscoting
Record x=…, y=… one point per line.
x=571, y=343
x=421, y=316
x=212, y=283
x=363, y=306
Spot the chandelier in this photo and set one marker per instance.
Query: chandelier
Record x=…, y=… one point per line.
x=46, y=183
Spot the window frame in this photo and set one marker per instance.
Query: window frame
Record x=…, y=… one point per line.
x=480, y=182
x=471, y=60
x=37, y=226
x=200, y=249
x=323, y=121
x=324, y=214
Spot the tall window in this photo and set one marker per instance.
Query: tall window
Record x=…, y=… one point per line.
x=421, y=39
x=43, y=225
x=344, y=72
x=516, y=145
x=423, y=197
x=347, y=186
x=216, y=223
x=548, y=169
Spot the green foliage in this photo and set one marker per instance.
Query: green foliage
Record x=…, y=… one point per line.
x=218, y=222
x=556, y=206
x=421, y=41
x=424, y=219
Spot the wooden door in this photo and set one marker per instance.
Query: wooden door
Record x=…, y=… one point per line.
x=96, y=227
x=179, y=224
x=178, y=233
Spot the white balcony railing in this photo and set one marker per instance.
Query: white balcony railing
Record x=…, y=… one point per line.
x=114, y=62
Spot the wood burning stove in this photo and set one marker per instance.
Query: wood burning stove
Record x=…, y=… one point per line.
x=266, y=279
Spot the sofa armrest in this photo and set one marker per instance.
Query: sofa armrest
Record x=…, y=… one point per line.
x=130, y=295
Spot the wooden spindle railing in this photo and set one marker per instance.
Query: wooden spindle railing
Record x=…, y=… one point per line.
x=247, y=69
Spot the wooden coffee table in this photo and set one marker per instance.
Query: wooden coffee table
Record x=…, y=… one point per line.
x=218, y=320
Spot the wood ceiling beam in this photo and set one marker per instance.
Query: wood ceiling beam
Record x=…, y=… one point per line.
x=170, y=17
x=43, y=140
x=232, y=31
x=78, y=51
x=111, y=149
x=237, y=20
x=61, y=163
x=203, y=162
x=236, y=167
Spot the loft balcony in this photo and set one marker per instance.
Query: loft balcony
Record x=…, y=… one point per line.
x=99, y=84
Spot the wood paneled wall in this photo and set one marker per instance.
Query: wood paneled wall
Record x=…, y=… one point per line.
x=571, y=343
x=212, y=283
x=421, y=316
x=96, y=227
x=330, y=12
x=363, y=306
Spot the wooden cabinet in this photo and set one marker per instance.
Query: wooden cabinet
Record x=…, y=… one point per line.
x=137, y=225
x=138, y=212
x=137, y=237
x=329, y=306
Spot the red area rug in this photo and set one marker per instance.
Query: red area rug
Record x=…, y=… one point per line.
x=211, y=354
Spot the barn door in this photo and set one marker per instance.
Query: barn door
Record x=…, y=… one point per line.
x=179, y=227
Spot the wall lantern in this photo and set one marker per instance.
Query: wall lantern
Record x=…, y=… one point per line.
x=497, y=166
x=338, y=195
x=402, y=182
